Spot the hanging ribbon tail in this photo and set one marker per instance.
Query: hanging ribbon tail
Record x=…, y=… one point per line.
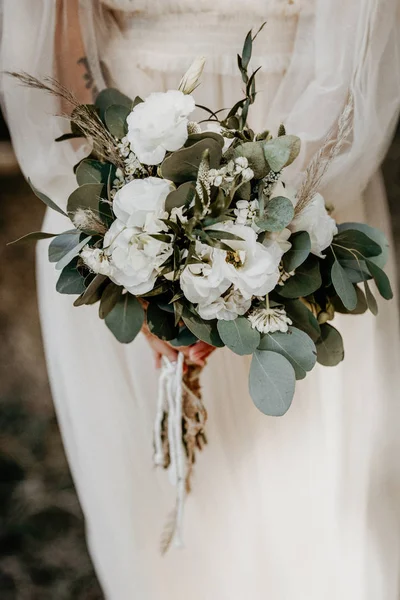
x=178, y=432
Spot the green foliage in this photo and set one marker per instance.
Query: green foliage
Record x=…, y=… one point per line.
x=306, y=280
x=94, y=171
x=94, y=291
x=271, y=382
x=350, y=242
x=63, y=243
x=109, y=299
x=296, y=346
x=330, y=350
x=280, y=152
x=183, y=165
x=343, y=286
x=109, y=97
x=46, y=199
x=161, y=323
x=298, y=253
x=370, y=299
x=238, y=335
x=374, y=234
x=278, y=213
x=34, y=235
x=70, y=280
x=254, y=153
x=181, y=196
x=193, y=138
x=115, y=120
x=381, y=280
x=203, y=330
x=184, y=338
x=87, y=196
x=126, y=318
x=303, y=318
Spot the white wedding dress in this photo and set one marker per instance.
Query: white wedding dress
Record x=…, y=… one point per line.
x=304, y=507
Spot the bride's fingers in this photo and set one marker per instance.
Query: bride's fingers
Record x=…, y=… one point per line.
x=198, y=353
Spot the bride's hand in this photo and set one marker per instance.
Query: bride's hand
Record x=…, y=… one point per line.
x=197, y=353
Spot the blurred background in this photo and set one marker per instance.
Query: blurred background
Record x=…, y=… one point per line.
x=43, y=554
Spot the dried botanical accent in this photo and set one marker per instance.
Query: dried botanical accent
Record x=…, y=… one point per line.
x=330, y=149
x=86, y=219
x=85, y=119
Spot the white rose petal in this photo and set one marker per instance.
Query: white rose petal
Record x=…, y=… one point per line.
x=315, y=219
x=251, y=267
x=226, y=308
x=205, y=282
x=96, y=260
x=137, y=199
x=159, y=124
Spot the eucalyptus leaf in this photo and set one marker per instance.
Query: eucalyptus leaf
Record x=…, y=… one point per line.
x=204, y=330
x=110, y=96
x=46, y=199
x=109, y=299
x=94, y=171
x=115, y=120
x=184, y=338
x=35, y=235
x=330, y=350
x=360, y=308
x=296, y=346
x=161, y=323
x=238, y=335
x=279, y=212
x=63, y=244
x=93, y=292
x=182, y=196
x=66, y=259
x=352, y=240
x=280, y=152
x=298, y=253
x=303, y=318
x=374, y=234
x=381, y=280
x=306, y=280
x=343, y=286
x=370, y=298
x=271, y=382
x=87, y=196
x=70, y=280
x=254, y=153
x=126, y=318
x=193, y=138
x=183, y=165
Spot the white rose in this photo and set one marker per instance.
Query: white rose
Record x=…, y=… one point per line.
x=251, y=267
x=284, y=190
x=96, y=260
x=279, y=237
x=315, y=219
x=159, y=124
x=226, y=308
x=135, y=257
x=204, y=282
x=136, y=200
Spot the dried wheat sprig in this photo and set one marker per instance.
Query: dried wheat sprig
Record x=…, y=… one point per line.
x=87, y=120
x=330, y=149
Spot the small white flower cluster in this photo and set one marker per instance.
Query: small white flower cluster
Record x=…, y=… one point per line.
x=239, y=167
x=246, y=212
x=132, y=166
x=270, y=320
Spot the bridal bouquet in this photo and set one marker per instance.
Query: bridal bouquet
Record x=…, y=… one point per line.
x=193, y=229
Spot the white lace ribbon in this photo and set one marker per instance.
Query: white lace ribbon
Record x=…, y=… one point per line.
x=170, y=398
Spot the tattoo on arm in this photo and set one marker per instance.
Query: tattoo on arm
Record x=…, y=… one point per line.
x=88, y=76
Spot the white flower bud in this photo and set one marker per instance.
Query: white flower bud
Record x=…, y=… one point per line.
x=190, y=80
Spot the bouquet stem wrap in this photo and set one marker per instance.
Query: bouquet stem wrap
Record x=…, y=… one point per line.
x=178, y=431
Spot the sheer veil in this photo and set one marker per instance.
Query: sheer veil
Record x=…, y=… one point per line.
x=348, y=47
